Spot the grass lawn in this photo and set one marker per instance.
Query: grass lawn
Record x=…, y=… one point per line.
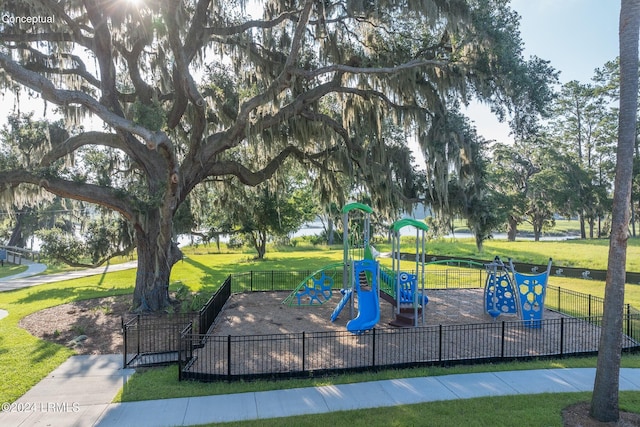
x=11, y=269
x=25, y=360
x=590, y=254
x=162, y=383
x=501, y=411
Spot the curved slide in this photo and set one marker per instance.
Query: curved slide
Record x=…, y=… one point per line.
x=368, y=299
x=368, y=313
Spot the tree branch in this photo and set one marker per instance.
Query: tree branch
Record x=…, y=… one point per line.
x=91, y=193
x=62, y=97
x=87, y=138
x=248, y=25
x=281, y=82
x=248, y=177
x=348, y=69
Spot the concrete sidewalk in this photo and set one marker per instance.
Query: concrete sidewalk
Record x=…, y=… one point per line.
x=33, y=269
x=76, y=393
x=319, y=400
x=28, y=279
x=79, y=392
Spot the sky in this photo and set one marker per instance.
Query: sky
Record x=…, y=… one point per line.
x=576, y=36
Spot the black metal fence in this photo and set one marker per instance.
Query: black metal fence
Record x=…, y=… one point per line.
x=273, y=280
x=153, y=339
x=210, y=311
x=208, y=357
x=303, y=354
x=437, y=277
x=182, y=338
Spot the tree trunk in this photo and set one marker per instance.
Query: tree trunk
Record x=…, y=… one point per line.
x=512, y=229
x=537, y=229
x=479, y=242
x=259, y=241
x=17, y=239
x=604, y=401
x=583, y=232
x=157, y=253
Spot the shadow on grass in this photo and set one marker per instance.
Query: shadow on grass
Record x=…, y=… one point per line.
x=44, y=350
x=61, y=295
x=214, y=276
x=208, y=281
x=3, y=346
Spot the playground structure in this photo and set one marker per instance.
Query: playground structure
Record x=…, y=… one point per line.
x=360, y=274
x=398, y=287
x=401, y=288
x=526, y=299
x=364, y=280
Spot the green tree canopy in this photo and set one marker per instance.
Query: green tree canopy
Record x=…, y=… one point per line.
x=183, y=89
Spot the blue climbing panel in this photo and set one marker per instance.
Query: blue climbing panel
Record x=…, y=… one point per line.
x=531, y=292
x=316, y=290
x=499, y=294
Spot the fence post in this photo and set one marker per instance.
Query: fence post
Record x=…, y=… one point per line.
x=561, y=336
x=559, y=309
x=229, y=357
x=628, y=327
x=124, y=343
x=502, y=341
x=180, y=354
x=373, y=349
x=440, y=343
x=304, y=351
x=589, y=309
x=138, y=324
x=251, y=280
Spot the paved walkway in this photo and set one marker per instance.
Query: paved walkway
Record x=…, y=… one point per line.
x=79, y=393
x=33, y=269
x=29, y=277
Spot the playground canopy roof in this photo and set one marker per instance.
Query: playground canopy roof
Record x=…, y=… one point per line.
x=361, y=206
x=405, y=222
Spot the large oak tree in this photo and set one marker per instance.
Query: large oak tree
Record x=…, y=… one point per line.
x=182, y=88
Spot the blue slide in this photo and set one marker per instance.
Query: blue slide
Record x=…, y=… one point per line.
x=368, y=300
x=368, y=313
